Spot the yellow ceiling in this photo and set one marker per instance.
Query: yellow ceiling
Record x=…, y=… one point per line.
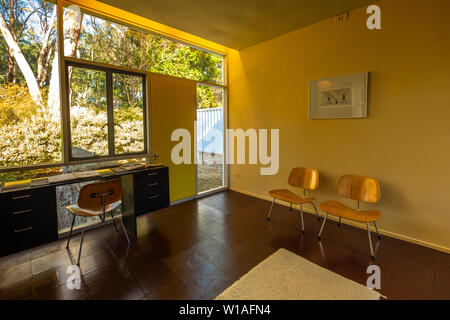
x=237, y=24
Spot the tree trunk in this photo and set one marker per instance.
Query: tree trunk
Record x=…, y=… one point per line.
x=11, y=61
x=72, y=33
x=45, y=53
x=11, y=64
x=46, y=75
x=21, y=61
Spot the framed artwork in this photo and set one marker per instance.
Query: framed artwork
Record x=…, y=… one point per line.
x=342, y=97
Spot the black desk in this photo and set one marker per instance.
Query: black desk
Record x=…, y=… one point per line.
x=28, y=216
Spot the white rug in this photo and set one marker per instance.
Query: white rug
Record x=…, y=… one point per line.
x=286, y=276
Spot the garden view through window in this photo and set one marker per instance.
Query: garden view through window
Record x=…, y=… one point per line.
x=30, y=110
x=106, y=112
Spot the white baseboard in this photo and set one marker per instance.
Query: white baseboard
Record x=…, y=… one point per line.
x=351, y=223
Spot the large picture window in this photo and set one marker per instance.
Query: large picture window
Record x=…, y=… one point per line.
x=106, y=111
x=103, y=115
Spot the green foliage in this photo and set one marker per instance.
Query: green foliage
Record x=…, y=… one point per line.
x=32, y=140
x=15, y=104
x=209, y=97
x=128, y=114
x=88, y=88
x=138, y=50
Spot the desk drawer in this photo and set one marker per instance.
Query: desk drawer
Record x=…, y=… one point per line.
x=148, y=188
x=150, y=203
x=21, y=202
x=22, y=219
x=29, y=219
x=23, y=238
x=151, y=191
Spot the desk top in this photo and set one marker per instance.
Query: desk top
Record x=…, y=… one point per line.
x=75, y=177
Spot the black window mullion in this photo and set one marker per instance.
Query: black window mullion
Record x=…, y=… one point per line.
x=110, y=112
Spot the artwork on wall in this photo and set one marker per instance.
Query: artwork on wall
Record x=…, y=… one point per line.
x=342, y=97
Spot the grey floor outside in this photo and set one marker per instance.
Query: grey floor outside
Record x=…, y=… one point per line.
x=210, y=174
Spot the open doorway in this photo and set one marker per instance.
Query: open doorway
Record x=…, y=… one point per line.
x=210, y=138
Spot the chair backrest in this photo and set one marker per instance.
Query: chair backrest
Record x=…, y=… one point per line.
x=90, y=195
x=304, y=178
x=359, y=188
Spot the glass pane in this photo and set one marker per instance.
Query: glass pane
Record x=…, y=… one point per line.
x=139, y=50
x=68, y=195
x=88, y=113
x=128, y=113
x=210, y=137
x=30, y=122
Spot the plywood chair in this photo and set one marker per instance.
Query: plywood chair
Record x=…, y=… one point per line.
x=96, y=200
x=307, y=179
x=357, y=188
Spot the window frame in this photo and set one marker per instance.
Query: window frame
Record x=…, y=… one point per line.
x=109, y=71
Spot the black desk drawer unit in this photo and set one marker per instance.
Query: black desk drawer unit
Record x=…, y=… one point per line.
x=27, y=219
x=151, y=191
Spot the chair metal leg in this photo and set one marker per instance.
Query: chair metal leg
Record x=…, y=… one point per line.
x=340, y=219
x=323, y=225
x=126, y=233
x=370, y=241
x=317, y=212
x=81, y=246
x=71, y=229
x=303, y=223
x=291, y=207
x=376, y=228
x=114, y=221
x=271, y=208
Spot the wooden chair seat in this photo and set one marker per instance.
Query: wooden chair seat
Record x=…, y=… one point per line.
x=338, y=209
x=289, y=196
x=76, y=210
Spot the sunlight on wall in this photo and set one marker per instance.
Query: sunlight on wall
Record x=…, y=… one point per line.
x=404, y=141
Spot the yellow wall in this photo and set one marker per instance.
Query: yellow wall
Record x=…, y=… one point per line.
x=405, y=142
x=173, y=106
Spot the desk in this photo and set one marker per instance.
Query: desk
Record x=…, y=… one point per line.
x=28, y=215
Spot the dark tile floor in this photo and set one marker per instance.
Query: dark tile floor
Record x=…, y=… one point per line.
x=197, y=249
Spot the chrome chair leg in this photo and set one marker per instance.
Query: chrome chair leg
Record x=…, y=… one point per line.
x=114, y=221
x=271, y=208
x=71, y=229
x=81, y=246
x=303, y=223
x=370, y=241
x=376, y=228
x=317, y=212
x=126, y=233
x=323, y=225
x=340, y=219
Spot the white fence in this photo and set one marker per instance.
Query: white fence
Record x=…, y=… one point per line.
x=210, y=130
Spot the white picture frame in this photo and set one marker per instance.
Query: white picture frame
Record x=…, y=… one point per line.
x=343, y=97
